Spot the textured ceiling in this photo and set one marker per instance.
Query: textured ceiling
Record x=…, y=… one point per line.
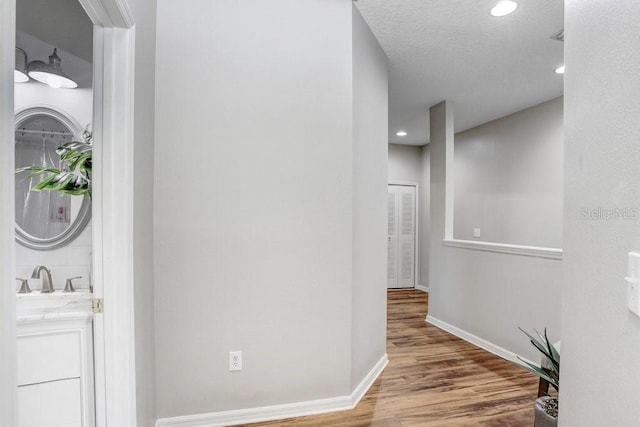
x=487, y=67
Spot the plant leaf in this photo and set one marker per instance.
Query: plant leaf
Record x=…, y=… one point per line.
x=75, y=177
x=37, y=170
x=542, y=348
x=542, y=373
x=548, y=350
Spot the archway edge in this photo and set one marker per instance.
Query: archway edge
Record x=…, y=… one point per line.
x=109, y=13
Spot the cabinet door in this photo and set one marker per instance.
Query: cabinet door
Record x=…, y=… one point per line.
x=51, y=404
x=407, y=236
x=55, y=372
x=49, y=355
x=401, y=246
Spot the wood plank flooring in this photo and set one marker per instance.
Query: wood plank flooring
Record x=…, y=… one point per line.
x=434, y=379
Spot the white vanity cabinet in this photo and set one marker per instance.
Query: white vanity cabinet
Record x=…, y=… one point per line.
x=55, y=369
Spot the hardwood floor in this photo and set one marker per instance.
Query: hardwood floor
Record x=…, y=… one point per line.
x=434, y=379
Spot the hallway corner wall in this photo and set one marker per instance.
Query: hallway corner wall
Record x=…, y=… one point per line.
x=370, y=129
x=600, y=345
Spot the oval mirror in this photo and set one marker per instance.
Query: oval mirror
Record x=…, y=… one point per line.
x=45, y=220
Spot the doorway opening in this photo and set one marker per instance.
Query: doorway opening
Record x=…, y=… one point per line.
x=113, y=76
x=53, y=103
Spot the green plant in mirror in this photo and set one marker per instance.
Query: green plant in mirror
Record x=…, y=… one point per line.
x=74, y=177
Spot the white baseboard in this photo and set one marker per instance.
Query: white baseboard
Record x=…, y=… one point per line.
x=422, y=288
x=475, y=340
x=277, y=412
x=358, y=393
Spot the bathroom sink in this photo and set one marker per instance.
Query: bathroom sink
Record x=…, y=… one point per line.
x=36, y=305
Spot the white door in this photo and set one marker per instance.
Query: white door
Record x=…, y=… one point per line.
x=401, y=247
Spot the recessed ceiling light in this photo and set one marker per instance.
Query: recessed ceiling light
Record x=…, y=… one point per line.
x=560, y=69
x=401, y=133
x=504, y=7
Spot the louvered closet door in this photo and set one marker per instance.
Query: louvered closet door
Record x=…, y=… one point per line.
x=402, y=241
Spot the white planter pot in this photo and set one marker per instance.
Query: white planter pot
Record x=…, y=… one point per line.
x=542, y=419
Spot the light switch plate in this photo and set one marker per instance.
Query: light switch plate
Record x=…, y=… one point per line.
x=633, y=283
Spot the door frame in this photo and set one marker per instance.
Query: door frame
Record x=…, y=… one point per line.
x=416, y=264
x=114, y=339
x=8, y=365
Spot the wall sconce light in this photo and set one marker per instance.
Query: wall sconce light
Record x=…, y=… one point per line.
x=51, y=73
x=20, y=71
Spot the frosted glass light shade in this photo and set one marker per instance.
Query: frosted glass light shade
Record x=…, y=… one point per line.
x=51, y=73
x=20, y=70
x=504, y=7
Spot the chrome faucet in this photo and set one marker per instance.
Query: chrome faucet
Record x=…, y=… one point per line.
x=47, y=286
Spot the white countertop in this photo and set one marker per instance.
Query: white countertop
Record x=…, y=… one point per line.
x=58, y=305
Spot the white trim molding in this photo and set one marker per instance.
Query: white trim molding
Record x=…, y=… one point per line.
x=113, y=110
x=475, y=340
x=405, y=183
x=277, y=412
x=422, y=288
x=504, y=248
x=112, y=238
x=8, y=366
x=361, y=389
x=109, y=13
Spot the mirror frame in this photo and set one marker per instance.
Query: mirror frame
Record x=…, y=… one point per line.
x=84, y=214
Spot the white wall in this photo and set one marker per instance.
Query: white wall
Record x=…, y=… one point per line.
x=144, y=13
x=483, y=296
x=253, y=203
x=404, y=163
x=600, y=346
x=370, y=130
x=425, y=209
x=508, y=178
x=73, y=259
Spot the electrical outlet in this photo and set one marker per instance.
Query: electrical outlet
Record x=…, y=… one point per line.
x=476, y=232
x=235, y=361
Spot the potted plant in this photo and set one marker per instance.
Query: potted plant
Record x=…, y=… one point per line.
x=74, y=177
x=546, y=407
